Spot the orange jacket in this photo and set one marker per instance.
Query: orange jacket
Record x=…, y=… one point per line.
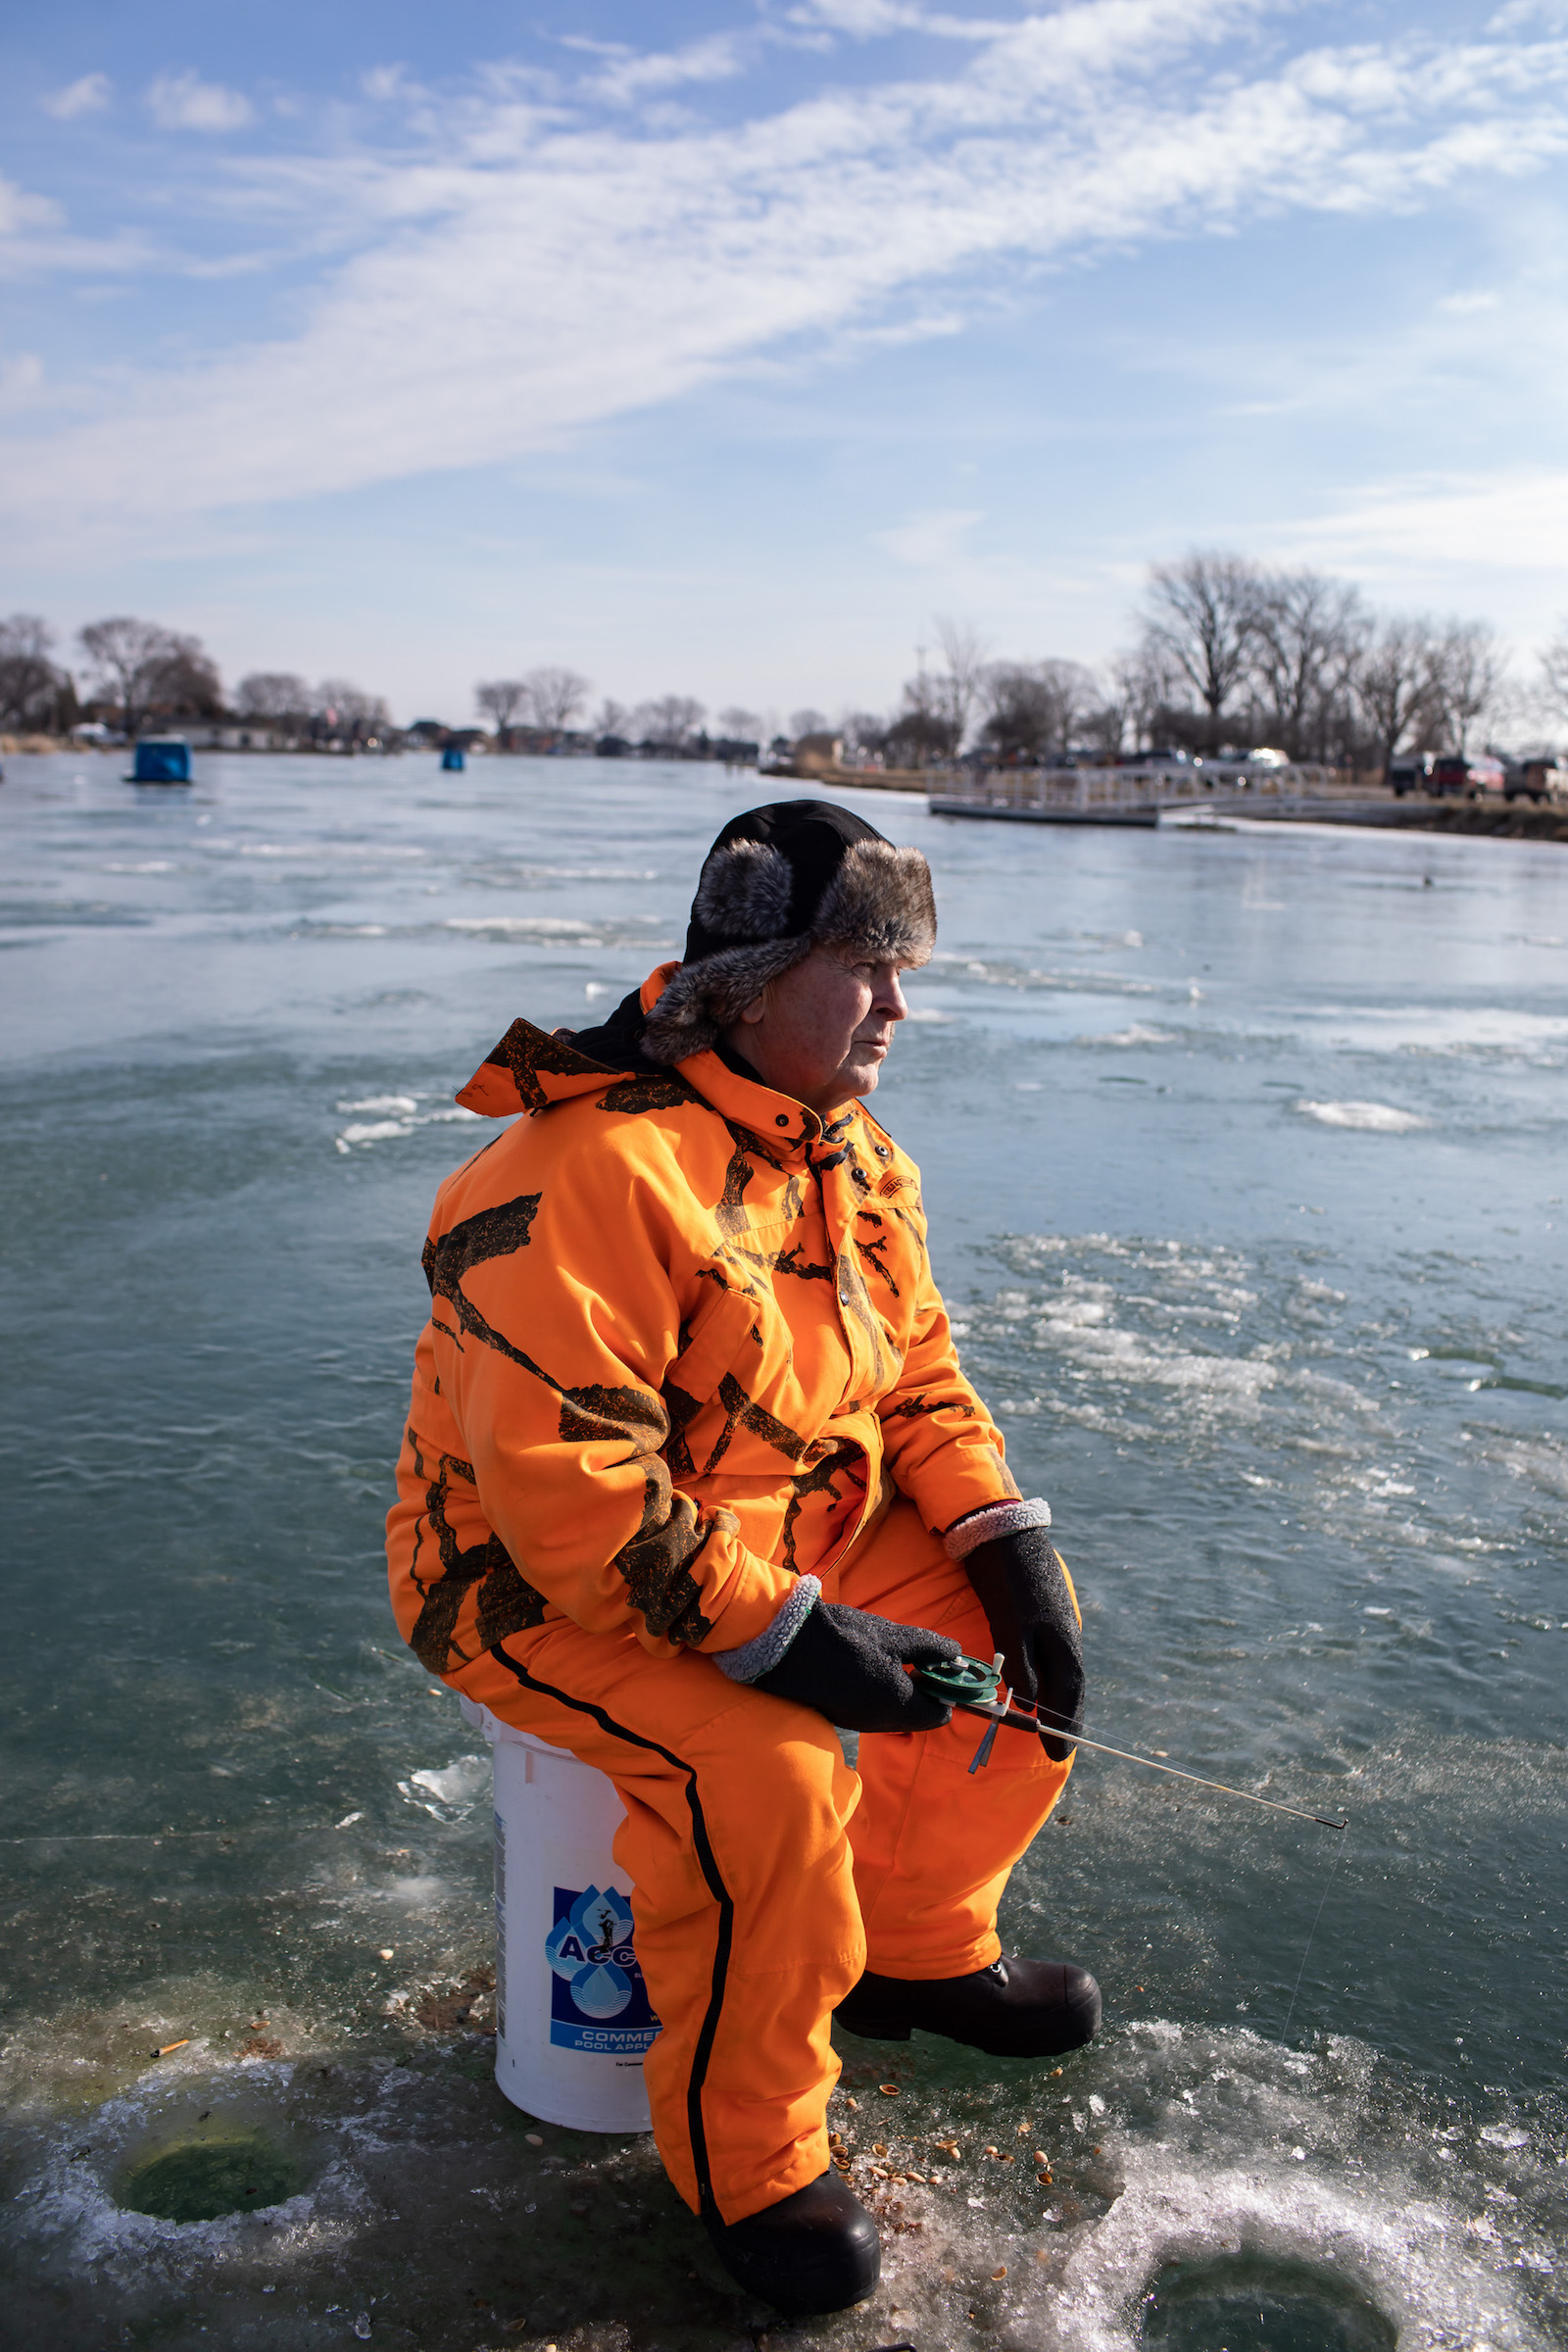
x=678, y=1328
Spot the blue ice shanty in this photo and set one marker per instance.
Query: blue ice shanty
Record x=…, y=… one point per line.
x=452, y=759
x=161, y=759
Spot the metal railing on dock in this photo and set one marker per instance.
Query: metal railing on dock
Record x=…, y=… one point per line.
x=1130, y=796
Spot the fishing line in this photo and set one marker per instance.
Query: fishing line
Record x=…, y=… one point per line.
x=1312, y=1931
x=1017, y=1722
x=971, y=1688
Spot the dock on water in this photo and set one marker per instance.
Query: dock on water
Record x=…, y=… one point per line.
x=1218, y=795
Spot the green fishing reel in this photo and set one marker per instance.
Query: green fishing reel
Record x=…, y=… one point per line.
x=961, y=1682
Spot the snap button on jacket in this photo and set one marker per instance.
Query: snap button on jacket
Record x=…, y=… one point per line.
x=679, y=1330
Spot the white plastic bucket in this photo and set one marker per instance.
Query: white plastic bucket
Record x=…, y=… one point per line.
x=573, y=2020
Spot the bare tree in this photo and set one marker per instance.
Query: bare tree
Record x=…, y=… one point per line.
x=740, y=726
x=1024, y=713
x=612, y=718
x=556, y=695
x=1104, y=727
x=1308, y=636
x=808, y=722
x=1141, y=687
x=1203, y=618
x=31, y=685
x=143, y=668
x=1394, y=684
x=865, y=733
x=1468, y=675
x=923, y=729
x=670, y=723
x=499, y=700
x=1554, y=672
x=1078, y=694
x=1036, y=708
x=959, y=685
x=189, y=686
x=345, y=714
x=272, y=693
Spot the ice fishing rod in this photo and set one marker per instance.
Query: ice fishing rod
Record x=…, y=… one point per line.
x=970, y=1686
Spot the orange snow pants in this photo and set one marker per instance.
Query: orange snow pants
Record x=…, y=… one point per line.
x=766, y=1874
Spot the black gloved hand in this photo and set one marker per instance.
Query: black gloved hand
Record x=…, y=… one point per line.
x=850, y=1666
x=1020, y=1584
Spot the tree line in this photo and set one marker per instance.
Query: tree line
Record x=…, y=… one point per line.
x=1229, y=652
x=552, y=700
x=1225, y=652
x=136, y=674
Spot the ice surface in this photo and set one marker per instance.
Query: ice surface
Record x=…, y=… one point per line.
x=1239, y=1350
x=1199, y=2146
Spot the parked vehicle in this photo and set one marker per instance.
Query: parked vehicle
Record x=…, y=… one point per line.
x=1410, y=773
x=1539, y=780
x=1469, y=779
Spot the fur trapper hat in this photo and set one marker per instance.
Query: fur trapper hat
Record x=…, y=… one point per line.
x=777, y=883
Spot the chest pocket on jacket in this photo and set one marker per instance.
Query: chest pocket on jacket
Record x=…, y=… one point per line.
x=723, y=1338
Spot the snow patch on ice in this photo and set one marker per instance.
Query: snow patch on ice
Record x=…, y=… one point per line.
x=1371, y=1118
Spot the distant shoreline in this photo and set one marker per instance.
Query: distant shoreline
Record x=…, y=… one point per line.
x=1375, y=809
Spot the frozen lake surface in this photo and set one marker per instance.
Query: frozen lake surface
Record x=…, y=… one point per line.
x=1245, y=1155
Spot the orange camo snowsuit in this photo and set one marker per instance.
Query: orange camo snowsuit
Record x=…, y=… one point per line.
x=684, y=1345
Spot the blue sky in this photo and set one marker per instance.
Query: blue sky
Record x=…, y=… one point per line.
x=714, y=349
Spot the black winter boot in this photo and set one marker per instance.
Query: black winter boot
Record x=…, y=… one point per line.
x=817, y=2250
x=1012, y=2009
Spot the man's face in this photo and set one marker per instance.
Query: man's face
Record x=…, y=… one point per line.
x=822, y=1032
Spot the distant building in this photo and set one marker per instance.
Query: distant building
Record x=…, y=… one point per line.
x=253, y=735
x=818, y=752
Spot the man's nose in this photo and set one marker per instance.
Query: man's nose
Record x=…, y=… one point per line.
x=890, y=999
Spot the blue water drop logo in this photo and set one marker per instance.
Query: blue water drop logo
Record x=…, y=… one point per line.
x=591, y=1953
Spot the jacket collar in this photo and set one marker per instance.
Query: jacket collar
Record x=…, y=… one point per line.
x=531, y=1068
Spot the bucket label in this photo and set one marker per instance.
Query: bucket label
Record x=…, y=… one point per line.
x=598, y=2000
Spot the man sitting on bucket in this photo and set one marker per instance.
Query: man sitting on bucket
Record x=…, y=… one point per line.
x=690, y=1475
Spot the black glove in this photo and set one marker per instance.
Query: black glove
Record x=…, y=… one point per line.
x=850, y=1666
x=1020, y=1584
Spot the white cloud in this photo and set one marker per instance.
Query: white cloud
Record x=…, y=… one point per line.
x=22, y=383
x=89, y=96
x=1447, y=527
x=870, y=19
x=931, y=542
x=34, y=241
x=516, y=270
x=21, y=212
x=184, y=102
x=622, y=81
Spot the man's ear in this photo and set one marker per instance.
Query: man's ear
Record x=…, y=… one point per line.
x=756, y=1009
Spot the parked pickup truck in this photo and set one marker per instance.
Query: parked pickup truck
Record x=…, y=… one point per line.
x=1475, y=779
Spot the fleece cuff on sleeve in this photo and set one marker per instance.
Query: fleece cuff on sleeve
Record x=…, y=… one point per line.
x=997, y=1519
x=764, y=1650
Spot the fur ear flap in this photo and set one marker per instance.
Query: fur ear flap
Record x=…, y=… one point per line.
x=701, y=1000
x=744, y=892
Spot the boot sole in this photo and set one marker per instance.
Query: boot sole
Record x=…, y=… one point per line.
x=1057, y=2048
